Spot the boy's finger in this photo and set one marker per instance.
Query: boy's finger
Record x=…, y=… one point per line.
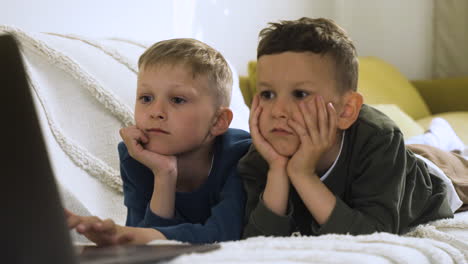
x=73, y=221
x=125, y=131
x=133, y=135
x=255, y=102
x=107, y=226
x=142, y=137
x=257, y=137
x=138, y=137
x=254, y=122
x=68, y=212
x=124, y=239
x=302, y=116
x=86, y=223
x=312, y=107
x=332, y=121
x=82, y=228
x=300, y=131
x=310, y=116
x=322, y=114
x=134, y=142
x=253, y=107
x=298, y=114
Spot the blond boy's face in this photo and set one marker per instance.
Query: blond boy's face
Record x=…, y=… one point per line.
x=284, y=80
x=173, y=109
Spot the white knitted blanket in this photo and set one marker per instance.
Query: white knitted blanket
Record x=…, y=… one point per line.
x=442, y=241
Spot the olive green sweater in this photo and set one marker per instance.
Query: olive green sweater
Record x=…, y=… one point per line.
x=379, y=185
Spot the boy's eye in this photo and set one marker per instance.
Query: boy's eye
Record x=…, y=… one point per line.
x=267, y=95
x=300, y=94
x=178, y=100
x=146, y=99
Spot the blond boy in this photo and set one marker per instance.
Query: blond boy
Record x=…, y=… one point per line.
x=178, y=162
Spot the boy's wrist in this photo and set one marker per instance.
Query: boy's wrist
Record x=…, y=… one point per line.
x=298, y=177
x=277, y=168
x=163, y=199
x=276, y=193
x=167, y=177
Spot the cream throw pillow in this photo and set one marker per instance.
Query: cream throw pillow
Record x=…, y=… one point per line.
x=408, y=126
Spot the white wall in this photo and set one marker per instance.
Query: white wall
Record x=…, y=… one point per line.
x=230, y=26
x=233, y=26
x=399, y=31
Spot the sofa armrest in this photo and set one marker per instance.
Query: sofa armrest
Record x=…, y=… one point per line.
x=444, y=95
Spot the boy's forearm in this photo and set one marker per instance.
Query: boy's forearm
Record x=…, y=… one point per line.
x=163, y=198
x=319, y=200
x=276, y=193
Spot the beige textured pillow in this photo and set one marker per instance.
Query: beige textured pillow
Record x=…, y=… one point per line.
x=408, y=126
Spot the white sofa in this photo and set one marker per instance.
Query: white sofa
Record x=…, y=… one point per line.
x=84, y=91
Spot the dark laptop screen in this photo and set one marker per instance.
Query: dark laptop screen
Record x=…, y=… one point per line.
x=32, y=223
x=32, y=220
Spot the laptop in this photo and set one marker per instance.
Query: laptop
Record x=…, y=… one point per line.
x=33, y=228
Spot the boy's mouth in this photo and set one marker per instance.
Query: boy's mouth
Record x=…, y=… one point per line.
x=281, y=131
x=157, y=131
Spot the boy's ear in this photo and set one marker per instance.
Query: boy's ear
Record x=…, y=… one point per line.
x=222, y=122
x=350, y=110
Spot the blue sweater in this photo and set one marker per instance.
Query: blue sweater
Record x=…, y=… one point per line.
x=212, y=213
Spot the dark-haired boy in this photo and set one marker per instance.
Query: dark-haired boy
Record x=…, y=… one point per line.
x=322, y=161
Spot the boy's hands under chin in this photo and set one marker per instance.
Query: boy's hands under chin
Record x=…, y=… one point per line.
x=164, y=169
x=135, y=139
x=276, y=193
x=316, y=137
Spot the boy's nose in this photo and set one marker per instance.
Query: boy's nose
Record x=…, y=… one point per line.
x=157, y=110
x=280, y=109
x=159, y=115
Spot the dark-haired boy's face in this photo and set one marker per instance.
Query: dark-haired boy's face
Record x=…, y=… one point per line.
x=284, y=80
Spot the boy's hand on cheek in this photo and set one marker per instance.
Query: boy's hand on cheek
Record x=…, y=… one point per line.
x=316, y=137
x=276, y=192
x=135, y=139
x=267, y=151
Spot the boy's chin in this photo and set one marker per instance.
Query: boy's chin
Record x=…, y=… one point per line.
x=161, y=150
x=285, y=150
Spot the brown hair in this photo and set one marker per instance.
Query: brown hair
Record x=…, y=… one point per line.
x=320, y=36
x=199, y=57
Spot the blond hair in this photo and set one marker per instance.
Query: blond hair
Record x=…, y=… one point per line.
x=199, y=57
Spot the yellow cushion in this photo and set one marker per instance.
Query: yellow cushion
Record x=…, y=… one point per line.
x=458, y=121
x=381, y=83
x=244, y=84
x=408, y=126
